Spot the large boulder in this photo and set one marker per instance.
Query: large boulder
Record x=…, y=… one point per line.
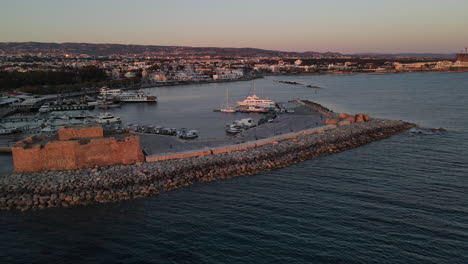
x=349, y=118
x=331, y=121
x=343, y=115
x=346, y=117
x=359, y=118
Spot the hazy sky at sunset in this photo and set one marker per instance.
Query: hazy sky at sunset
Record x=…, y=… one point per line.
x=348, y=26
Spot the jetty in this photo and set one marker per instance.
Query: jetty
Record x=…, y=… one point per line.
x=174, y=166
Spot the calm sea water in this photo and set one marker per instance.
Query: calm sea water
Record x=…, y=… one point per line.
x=400, y=200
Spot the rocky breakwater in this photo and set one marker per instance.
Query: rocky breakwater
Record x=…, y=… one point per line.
x=122, y=182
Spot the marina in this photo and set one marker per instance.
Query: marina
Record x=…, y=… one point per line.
x=59, y=111
x=40, y=123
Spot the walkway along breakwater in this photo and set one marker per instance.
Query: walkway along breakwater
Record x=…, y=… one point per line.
x=65, y=188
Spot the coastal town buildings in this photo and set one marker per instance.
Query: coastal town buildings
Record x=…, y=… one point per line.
x=462, y=60
x=164, y=68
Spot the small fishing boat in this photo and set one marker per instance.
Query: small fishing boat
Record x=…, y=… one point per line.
x=191, y=134
x=106, y=118
x=234, y=129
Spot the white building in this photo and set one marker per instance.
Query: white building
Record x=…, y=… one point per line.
x=129, y=74
x=158, y=77
x=228, y=75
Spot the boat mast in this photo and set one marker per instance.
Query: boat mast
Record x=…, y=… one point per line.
x=253, y=87
x=227, y=98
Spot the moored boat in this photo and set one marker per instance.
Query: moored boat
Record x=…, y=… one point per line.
x=64, y=106
x=191, y=134
x=227, y=108
x=254, y=109
x=255, y=101
x=127, y=97
x=107, y=117
x=137, y=97
x=234, y=129
x=7, y=131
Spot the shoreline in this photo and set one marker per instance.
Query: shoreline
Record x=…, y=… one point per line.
x=25, y=191
x=352, y=73
x=155, y=85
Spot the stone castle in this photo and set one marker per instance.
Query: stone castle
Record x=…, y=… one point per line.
x=75, y=148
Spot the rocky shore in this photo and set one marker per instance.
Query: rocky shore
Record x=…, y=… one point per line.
x=106, y=184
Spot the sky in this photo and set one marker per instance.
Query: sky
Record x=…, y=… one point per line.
x=347, y=26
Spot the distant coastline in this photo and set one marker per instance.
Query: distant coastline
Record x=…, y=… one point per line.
x=260, y=76
x=176, y=83
x=351, y=73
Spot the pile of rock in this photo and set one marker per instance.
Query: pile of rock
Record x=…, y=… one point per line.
x=345, y=119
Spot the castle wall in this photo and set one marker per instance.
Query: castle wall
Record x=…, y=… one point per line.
x=75, y=154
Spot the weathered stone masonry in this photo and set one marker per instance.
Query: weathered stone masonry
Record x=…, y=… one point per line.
x=76, y=148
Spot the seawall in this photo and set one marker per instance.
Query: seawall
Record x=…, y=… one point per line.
x=122, y=182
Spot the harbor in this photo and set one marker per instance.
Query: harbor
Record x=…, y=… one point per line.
x=296, y=130
x=178, y=109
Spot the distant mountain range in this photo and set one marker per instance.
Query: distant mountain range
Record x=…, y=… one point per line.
x=153, y=50
x=409, y=55
x=122, y=49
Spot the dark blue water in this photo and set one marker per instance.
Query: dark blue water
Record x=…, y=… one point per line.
x=400, y=200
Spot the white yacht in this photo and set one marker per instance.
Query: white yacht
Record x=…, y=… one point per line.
x=106, y=118
x=104, y=91
x=138, y=96
x=45, y=108
x=6, y=131
x=255, y=101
